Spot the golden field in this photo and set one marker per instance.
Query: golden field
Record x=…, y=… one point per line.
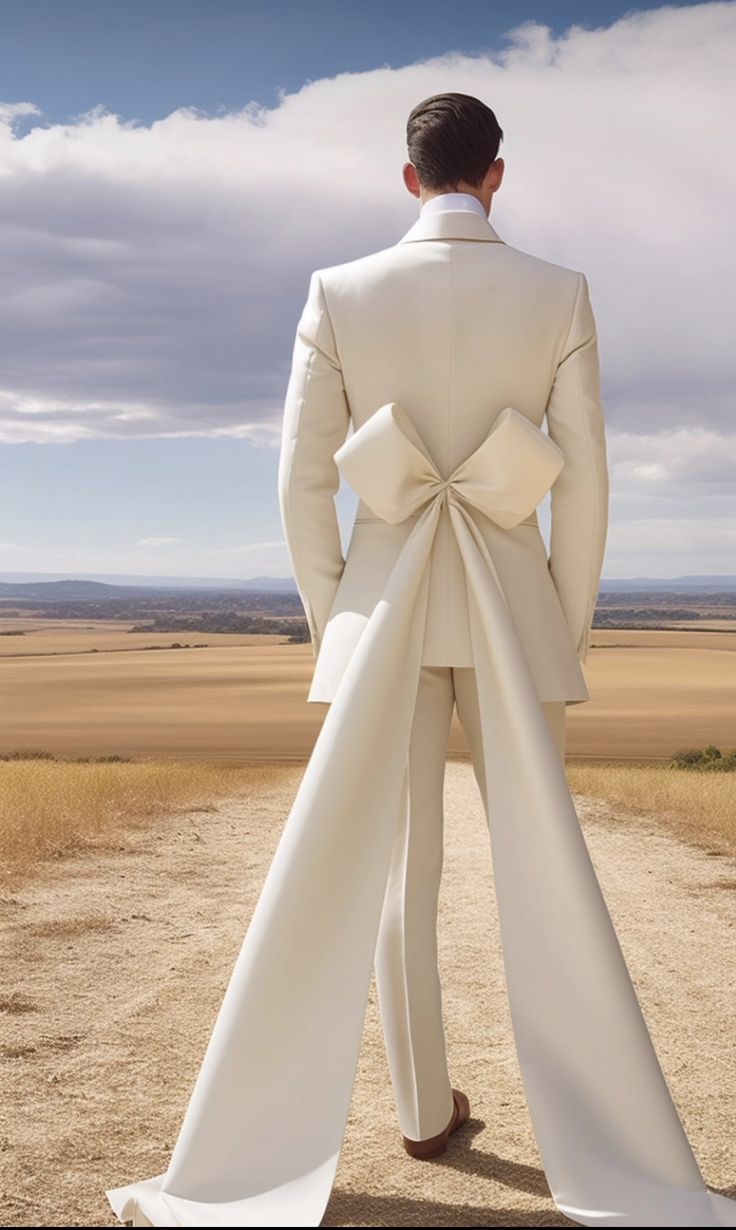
x=197, y=721
x=80, y=688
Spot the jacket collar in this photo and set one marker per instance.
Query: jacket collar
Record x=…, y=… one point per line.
x=451, y=224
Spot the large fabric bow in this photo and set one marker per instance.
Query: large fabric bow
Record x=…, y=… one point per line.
x=262, y=1134
x=505, y=478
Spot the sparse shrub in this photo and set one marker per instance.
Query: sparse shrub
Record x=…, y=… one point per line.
x=708, y=759
x=27, y=754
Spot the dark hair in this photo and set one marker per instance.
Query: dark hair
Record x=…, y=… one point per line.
x=452, y=137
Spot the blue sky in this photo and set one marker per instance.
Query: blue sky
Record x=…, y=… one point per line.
x=171, y=173
x=144, y=59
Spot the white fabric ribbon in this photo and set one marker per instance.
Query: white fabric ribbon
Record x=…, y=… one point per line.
x=261, y=1138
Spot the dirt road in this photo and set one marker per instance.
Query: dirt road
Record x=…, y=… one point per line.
x=116, y=962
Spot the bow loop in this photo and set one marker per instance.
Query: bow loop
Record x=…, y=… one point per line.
x=386, y=462
x=388, y=465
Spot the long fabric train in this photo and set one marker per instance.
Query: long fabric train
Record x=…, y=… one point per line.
x=261, y=1138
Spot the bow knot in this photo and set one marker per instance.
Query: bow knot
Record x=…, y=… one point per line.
x=505, y=478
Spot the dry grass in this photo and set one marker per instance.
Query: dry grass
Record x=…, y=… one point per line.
x=50, y=808
x=700, y=807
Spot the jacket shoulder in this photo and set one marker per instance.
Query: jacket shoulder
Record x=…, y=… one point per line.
x=549, y=271
x=560, y=278
x=360, y=269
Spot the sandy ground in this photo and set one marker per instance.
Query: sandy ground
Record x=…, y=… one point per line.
x=117, y=960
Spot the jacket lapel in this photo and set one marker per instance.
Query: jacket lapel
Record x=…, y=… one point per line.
x=451, y=224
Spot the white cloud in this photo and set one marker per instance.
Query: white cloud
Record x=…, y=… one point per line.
x=153, y=275
x=671, y=546
x=248, y=549
x=694, y=461
x=156, y=542
x=673, y=503
x=10, y=112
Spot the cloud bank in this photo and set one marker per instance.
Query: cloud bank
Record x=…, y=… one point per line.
x=153, y=275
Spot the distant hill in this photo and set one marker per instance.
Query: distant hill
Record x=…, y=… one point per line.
x=60, y=586
x=46, y=586
x=253, y=606
x=622, y=585
x=272, y=605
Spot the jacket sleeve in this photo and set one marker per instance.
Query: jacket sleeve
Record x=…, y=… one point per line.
x=579, y=496
x=315, y=423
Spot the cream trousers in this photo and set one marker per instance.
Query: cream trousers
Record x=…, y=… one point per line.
x=406, y=966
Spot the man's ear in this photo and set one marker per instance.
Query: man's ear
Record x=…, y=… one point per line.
x=410, y=177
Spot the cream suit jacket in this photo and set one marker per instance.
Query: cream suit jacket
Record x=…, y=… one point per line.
x=453, y=324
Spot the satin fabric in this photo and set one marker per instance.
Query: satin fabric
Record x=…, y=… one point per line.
x=262, y=1134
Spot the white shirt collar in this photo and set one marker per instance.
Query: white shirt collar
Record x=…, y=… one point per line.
x=453, y=200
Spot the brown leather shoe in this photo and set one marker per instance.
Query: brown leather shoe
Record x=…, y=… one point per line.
x=435, y=1146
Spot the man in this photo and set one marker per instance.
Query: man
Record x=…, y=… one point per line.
x=454, y=324
x=445, y=352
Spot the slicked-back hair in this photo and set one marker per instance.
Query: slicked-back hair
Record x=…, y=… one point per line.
x=452, y=138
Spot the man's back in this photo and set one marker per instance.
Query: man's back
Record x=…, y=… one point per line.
x=454, y=325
